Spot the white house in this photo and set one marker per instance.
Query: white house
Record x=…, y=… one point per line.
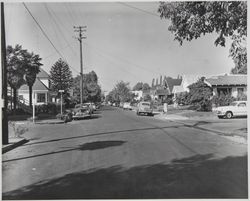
x=234, y=85
x=40, y=89
x=138, y=94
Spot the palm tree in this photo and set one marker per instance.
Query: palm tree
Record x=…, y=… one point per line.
x=15, y=70
x=32, y=68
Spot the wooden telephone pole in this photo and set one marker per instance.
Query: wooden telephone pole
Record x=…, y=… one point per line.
x=80, y=29
x=5, y=131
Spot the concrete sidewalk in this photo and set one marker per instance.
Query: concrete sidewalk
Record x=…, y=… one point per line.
x=18, y=141
x=209, y=122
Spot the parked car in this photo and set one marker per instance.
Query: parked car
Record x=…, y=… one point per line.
x=81, y=112
x=66, y=116
x=144, y=108
x=127, y=106
x=236, y=108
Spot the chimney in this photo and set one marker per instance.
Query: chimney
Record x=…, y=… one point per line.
x=153, y=82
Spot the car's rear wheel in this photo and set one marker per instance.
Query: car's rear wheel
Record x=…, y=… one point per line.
x=229, y=115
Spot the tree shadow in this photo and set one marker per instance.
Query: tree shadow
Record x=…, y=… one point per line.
x=100, y=145
x=93, y=116
x=199, y=176
x=87, y=146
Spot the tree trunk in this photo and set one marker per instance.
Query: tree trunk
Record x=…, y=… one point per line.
x=15, y=99
x=30, y=96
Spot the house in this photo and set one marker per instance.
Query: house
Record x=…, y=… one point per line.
x=234, y=85
x=40, y=89
x=163, y=89
x=138, y=94
x=186, y=81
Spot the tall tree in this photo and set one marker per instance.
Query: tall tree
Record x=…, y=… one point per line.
x=15, y=69
x=191, y=20
x=138, y=86
x=91, y=88
x=32, y=68
x=145, y=87
x=61, y=77
x=200, y=95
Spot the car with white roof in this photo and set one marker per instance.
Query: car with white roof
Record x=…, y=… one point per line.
x=235, y=109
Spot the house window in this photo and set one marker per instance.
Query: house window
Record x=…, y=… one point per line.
x=224, y=91
x=41, y=97
x=240, y=91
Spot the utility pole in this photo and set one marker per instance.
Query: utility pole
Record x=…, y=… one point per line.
x=80, y=29
x=5, y=131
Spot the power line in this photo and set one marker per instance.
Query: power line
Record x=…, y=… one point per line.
x=144, y=11
x=44, y=33
x=54, y=20
x=42, y=30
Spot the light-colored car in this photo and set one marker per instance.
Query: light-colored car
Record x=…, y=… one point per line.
x=127, y=106
x=236, y=108
x=144, y=108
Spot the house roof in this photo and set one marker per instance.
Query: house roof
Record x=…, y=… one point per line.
x=171, y=82
x=38, y=85
x=42, y=74
x=227, y=80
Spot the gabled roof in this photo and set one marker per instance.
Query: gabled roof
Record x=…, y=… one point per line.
x=227, y=80
x=171, y=82
x=42, y=74
x=38, y=85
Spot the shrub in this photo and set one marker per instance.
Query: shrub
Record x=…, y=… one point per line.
x=50, y=108
x=222, y=99
x=182, y=98
x=18, y=130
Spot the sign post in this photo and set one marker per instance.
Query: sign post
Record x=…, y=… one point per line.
x=33, y=107
x=61, y=91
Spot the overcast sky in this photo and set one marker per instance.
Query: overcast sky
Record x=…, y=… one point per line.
x=126, y=42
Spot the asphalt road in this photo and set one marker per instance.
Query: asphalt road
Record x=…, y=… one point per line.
x=117, y=154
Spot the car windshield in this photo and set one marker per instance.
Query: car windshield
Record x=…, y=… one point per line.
x=146, y=104
x=233, y=104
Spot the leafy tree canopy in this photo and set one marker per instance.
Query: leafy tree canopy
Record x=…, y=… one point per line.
x=91, y=88
x=120, y=93
x=138, y=86
x=200, y=95
x=191, y=20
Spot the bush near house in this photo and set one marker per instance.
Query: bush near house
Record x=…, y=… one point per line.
x=50, y=108
x=224, y=100
x=182, y=98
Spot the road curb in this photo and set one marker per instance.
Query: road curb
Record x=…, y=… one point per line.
x=225, y=134
x=11, y=146
x=50, y=122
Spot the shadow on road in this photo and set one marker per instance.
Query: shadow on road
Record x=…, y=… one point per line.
x=83, y=147
x=100, y=134
x=100, y=145
x=199, y=176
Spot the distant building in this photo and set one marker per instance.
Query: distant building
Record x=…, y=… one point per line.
x=233, y=85
x=164, y=89
x=40, y=89
x=138, y=94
